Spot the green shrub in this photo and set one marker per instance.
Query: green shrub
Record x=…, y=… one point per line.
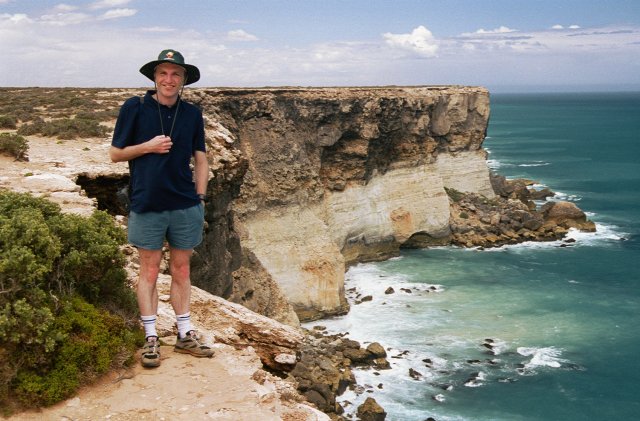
x=14, y=145
x=37, y=126
x=65, y=128
x=88, y=341
x=59, y=274
x=8, y=122
x=454, y=194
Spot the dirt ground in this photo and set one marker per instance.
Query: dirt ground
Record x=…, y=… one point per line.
x=224, y=387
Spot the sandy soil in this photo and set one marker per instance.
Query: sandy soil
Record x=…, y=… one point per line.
x=229, y=386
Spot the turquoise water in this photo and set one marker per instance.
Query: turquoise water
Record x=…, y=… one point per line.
x=562, y=318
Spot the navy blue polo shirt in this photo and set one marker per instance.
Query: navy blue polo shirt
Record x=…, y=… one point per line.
x=160, y=182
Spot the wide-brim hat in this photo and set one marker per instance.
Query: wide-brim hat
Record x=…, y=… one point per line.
x=173, y=57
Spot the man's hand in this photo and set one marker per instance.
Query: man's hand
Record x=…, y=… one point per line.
x=159, y=144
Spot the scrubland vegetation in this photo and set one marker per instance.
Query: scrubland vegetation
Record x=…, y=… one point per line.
x=67, y=314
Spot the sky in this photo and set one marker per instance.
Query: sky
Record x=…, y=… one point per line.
x=504, y=45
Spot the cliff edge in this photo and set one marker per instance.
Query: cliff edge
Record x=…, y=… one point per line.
x=336, y=176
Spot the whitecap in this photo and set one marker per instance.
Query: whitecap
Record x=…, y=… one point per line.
x=439, y=397
x=493, y=164
x=542, y=357
x=538, y=186
x=604, y=232
x=535, y=164
x=473, y=383
x=561, y=196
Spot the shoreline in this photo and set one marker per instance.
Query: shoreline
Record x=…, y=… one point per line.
x=340, y=356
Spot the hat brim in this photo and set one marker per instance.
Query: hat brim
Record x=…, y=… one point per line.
x=193, y=74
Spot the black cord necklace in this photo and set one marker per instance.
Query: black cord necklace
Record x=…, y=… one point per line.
x=175, y=116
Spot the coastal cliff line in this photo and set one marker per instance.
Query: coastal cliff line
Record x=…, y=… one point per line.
x=305, y=182
x=335, y=176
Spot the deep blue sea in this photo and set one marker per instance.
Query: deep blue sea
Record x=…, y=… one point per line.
x=537, y=331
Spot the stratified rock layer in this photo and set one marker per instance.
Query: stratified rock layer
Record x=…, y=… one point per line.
x=340, y=175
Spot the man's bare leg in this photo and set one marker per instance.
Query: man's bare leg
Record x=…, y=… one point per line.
x=188, y=341
x=147, y=293
x=180, y=267
x=147, y=290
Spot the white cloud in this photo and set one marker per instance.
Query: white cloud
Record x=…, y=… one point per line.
x=562, y=27
x=240, y=35
x=420, y=40
x=107, y=4
x=500, y=30
x=64, y=19
x=589, y=55
x=63, y=7
x=158, y=29
x=17, y=18
x=118, y=13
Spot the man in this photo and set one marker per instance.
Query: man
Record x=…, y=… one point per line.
x=159, y=135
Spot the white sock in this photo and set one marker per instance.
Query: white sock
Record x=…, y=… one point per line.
x=184, y=324
x=149, y=323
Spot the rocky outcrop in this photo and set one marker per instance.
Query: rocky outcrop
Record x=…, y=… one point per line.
x=371, y=411
x=509, y=218
x=324, y=371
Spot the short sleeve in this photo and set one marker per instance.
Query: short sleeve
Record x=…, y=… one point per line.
x=124, y=132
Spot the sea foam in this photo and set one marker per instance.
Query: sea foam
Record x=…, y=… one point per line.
x=542, y=357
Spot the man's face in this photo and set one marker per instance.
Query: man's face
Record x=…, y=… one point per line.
x=169, y=79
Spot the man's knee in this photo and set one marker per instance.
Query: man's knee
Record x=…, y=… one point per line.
x=180, y=271
x=179, y=264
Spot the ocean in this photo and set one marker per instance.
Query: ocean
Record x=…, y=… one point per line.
x=535, y=331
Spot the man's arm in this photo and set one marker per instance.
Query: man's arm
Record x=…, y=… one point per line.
x=201, y=171
x=159, y=144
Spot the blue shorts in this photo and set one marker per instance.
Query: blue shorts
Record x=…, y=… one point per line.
x=181, y=228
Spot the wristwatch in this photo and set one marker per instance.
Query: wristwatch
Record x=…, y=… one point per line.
x=202, y=197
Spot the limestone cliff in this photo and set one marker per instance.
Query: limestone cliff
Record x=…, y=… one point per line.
x=305, y=181
x=340, y=175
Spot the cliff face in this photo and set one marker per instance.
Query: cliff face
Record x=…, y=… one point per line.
x=333, y=176
x=304, y=182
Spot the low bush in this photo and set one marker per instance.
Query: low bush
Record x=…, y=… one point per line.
x=454, y=194
x=65, y=128
x=8, y=122
x=28, y=104
x=66, y=311
x=14, y=145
